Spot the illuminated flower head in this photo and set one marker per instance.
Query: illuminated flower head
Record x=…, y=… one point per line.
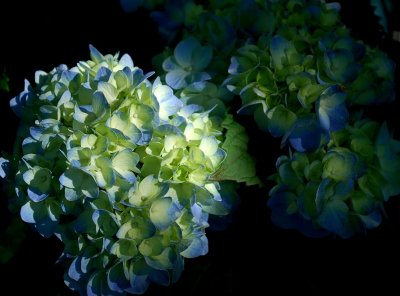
x=119, y=169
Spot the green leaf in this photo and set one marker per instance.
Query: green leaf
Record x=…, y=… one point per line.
x=238, y=165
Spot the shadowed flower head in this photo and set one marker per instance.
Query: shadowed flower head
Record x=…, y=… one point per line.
x=187, y=64
x=340, y=190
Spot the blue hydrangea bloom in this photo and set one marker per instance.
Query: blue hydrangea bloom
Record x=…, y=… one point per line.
x=187, y=64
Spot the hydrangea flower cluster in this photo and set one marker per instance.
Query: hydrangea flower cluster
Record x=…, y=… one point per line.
x=120, y=170
x=296, y=69
x=298, y=78
x=339, y=189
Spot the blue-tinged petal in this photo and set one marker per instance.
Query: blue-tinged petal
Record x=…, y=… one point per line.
x=75, y=178
x=71, y=194
x=95, y=54
x=278, y=48
x=126, y=60
x=83, y=114
x=331, y=109
x=176, y=78
x=100, y=104
x=18, y=103
x=197, y=77
x=340, y=66
x=116, y=278
x=188, y=110
x=36, y=195
x=28, y=213
x=169, y=104
x=241, y=64
x=334, y=217
x=109, y=91
x=89, y=187
x=343, y=189
x=73, y=285
x=74, y=270
x=95, y=283
x=105, y=176
x=49, y=112
x=198, y=215
x=103, y=74
x=4, y=167
x=137, y=272
x=197, y=247
x=105, y=222
x=36, y=132
x=138, y=284
x=305, y=135
x=184, y=50
x=372, y=220
x=209, y=204
x=87, y=259
x=280, y=120
x=54, y=211
x=66, y=97
x=80, y=156
x=121, y=122
x=169, y=64
x=138, y=77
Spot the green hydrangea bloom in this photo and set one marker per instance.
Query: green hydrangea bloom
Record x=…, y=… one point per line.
x=120, y=170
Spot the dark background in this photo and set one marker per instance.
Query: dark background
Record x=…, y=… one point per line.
x=252, y=256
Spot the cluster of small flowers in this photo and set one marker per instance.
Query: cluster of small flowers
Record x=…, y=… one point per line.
x=119, y=169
